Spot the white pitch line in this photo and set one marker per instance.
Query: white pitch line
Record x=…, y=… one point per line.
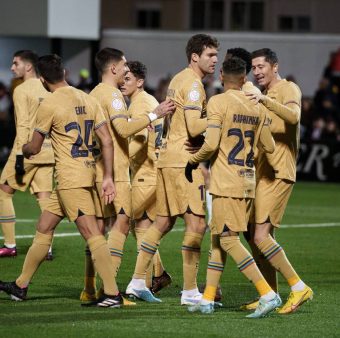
x=74, y=234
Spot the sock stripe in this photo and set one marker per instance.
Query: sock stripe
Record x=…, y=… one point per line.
x=7, y=219
x=190, y=248
x=148, y=248
x=275, y=249
x=116, y=252
x=215, y=267
x=246, y=263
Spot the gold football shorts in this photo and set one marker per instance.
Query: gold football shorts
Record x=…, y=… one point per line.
x=143, y=201
x=271, y=199
x=230, y=213
x=176, y=196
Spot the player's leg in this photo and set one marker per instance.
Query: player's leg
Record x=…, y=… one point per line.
x=194, y=219
x=276, y=256
x=41, y=186
x=35, y=255
x=7, y=220
x=148, y=248
x=279, y=192
x=121, y=226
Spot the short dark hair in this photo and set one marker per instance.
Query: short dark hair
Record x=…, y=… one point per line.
x=234, y=66
x=28, y=56
x=268, y=54
x=106, y=56
x=51, y=68
x=137, y=69
x=197, y=43
x=242, y=54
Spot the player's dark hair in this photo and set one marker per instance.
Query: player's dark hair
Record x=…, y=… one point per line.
x=234, y=66
x=137, y=69
x=242, y=54
x=198, y=43
x=28, y=56
x=106, y=56
x=51, y=68
x=269, y=55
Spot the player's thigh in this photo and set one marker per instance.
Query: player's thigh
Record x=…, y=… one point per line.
x=271, y=199
x=42, y=181
x=143, y=202
x=229, y=214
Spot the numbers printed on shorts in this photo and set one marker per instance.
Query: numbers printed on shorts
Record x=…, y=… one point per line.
x=202, y=189
x=249, y=134
x=158, y=131
x=77, y=149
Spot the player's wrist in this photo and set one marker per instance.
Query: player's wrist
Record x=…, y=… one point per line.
x=152, y=116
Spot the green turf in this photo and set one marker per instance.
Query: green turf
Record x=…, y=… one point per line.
x=53, y=308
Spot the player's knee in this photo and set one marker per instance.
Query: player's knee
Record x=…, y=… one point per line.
x=43, y=238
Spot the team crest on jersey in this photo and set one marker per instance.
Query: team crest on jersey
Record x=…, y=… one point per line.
x=194, y=95
x=117, y=104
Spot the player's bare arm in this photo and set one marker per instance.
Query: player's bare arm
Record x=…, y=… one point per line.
x=108, y=187
x=34, y=146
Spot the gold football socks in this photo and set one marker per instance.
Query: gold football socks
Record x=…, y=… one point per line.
x=191, y=252
x=116, y=243
x=7, y=218
x=35, y=255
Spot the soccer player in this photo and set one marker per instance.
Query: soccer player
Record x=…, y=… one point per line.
x=143, y=151
x=111, y=64
x=19, y=174
x=235, y=127
x=175, y=196
x=71, y=117
x=276, y=172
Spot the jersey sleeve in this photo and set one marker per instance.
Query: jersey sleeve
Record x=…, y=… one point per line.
x=194, y=98
x=99, y=116
x=20, y=100
x=290, y=109
x=120, y=119
x=44, y=118
x=213, y=134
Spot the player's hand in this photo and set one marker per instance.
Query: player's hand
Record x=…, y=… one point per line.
x=150, y=127
x=193, y=145
x=165, y=108
x=19, y=165
x=108, y=191
x=188, y=170
x=254, y=96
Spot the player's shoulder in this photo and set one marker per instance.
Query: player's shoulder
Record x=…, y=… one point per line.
x=289, y=85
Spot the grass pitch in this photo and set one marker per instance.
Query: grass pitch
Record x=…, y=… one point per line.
x=53, y=308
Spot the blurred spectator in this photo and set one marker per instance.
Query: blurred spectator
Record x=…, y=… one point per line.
x=160, y=92
x=84, y=83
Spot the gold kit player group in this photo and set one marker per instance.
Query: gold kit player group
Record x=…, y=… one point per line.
x=120, y=167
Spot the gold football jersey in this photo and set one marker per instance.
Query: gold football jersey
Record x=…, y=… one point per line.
x=146, y=142
x=27, y=98
x=187, y=92
x=240, y=122
x=71, y=116
x=286, y=136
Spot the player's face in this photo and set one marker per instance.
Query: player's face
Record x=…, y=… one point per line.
x=207, y=60
x=18, y=67
x=264, y=72
x=130, y=85
x=121, y=69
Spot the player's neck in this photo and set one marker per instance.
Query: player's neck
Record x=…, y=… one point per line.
x=139, y=90
x=109, y=80
x=30, y=75
x=55, y=86
x=275, y=80
x=197, y=70
x=231, y=85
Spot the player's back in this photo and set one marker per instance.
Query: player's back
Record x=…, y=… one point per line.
x=187, y=92
x=143, y=163
x=232, y=170
x=72, y=117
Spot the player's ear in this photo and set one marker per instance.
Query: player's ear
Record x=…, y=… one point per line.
x=276, y=68
x=194, y=57
x=28, y=66
x=113, y=69
x=140, y=83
